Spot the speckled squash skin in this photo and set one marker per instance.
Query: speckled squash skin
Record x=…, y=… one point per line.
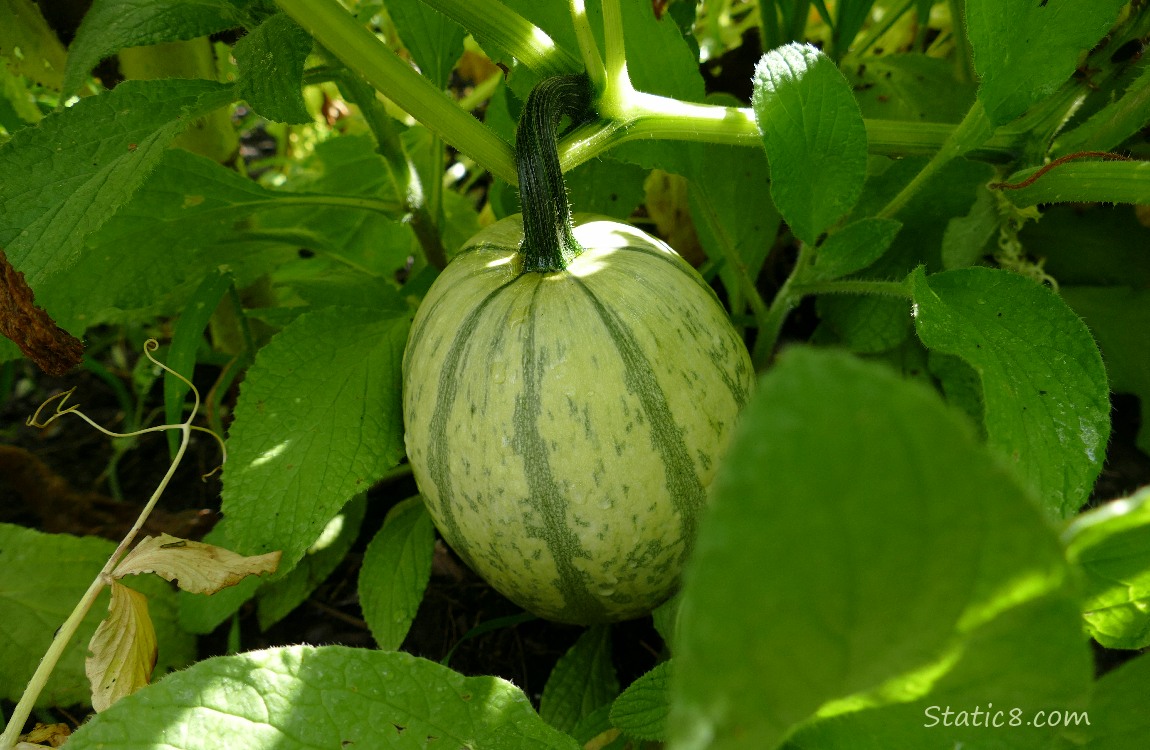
x=563, y=427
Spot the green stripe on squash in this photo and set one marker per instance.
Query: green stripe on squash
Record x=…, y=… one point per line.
x=563, y=426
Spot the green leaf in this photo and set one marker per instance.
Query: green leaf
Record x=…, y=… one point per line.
x=731, y=206
x=858, y=534
x=111, y=25
x=277, y=599
x=1118, y=719
x=967, y=237
x=62, y=179
x=1025, y=49
x=853, y=248
x=186, y=341
x=305, y=697
x=318, y=420
x=1043, y=382
x=434, y=40
x=1111, y=545
x=814, y=136
x=45, y=575
x=641, y=711
x=865, y=323
x=42, y=56
x=270, y=61
x=606, y=186
x=1119, y=317
x=911, y=87
x=1030, y=660
x=396, y=569
x=582, y=681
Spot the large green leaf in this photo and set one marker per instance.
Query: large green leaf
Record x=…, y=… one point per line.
x=859, y=535
x=641, y=711
x=1118, y=719
x=277, y=599
x=1025, y=49
x=302, y=697
x=318, y=420
x=111, y=25
x=1001, y=693
x=45, y=575
x=1111, y=545
x=61, y=180
x=1047, y=402
x=814, y=136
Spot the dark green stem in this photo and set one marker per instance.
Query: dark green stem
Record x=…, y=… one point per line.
x=548, y=231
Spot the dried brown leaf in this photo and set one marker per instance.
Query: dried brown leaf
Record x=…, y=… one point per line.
x=193, y=566
x=52, y=348
x=123, y=650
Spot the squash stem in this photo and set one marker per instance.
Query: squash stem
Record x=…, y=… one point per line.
x=548, y=230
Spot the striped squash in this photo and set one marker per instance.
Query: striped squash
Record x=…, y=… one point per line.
x=563, y=426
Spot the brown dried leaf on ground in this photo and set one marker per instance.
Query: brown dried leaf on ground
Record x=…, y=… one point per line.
x=52, y=348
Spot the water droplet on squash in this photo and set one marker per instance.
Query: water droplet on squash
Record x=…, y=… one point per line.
x=605, y=504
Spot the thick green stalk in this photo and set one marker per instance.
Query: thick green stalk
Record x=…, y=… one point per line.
x=1084, y=182
x=361, y=52
x=548, y=230
x=493, y=22
x=1111, y=125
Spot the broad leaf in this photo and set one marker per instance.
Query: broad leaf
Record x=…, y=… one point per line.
x=395, y=571
x=434, y=41
x=201, y=613
x=1043, y=382
x=1016, y=672
x=111, y=25
x=1111, y=545
x=277, y=599
x=582, y=681
x=814, y=136
x=318, y=420
x=1118, y=719
x=302, y=697
x=42, y=56
x=44, y=576
x=270, y=60
x=60, y=181
x=859, y=533
x=1025, y=49
x=641, y=711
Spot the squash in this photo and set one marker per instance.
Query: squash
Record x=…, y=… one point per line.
x=563, y=423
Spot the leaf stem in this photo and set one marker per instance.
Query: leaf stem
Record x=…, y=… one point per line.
x=363, y=53
x=786, y=299
x=854, y=286
x=588, y=49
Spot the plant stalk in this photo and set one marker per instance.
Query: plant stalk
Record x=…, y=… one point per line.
x=361, y=52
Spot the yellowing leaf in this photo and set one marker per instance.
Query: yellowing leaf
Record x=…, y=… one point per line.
x=193, y=566
x=123, y=648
